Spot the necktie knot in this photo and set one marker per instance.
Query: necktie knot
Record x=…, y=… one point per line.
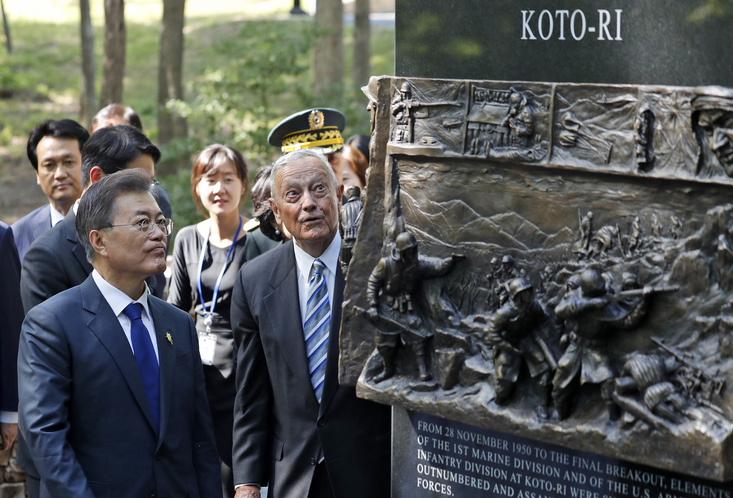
x=317, y=268
x=133, y=311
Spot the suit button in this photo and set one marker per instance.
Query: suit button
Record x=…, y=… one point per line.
x=321, y=423
x=313, y=461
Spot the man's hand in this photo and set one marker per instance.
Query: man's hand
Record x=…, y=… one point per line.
x=9, y=432
x=247, y=492
x=373, y=313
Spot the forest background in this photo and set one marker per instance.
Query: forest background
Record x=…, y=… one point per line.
x=246, y=65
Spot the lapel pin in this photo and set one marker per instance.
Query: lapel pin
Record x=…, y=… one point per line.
x=169, y=337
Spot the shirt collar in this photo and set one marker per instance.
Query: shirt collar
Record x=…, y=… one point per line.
x=330, y=257
x=117, y=299
x=56, y=216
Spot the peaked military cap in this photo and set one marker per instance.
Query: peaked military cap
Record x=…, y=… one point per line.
x=310, y=128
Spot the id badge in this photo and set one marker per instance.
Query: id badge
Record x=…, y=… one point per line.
x=207, y=346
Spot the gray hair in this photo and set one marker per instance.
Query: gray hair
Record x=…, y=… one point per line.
x=98, y=204
x=299, y=155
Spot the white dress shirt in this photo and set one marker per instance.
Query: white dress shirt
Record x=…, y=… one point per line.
x=56, y=216
x=304, y=262
x=118, y=301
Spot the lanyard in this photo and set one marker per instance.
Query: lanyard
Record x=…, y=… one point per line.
x=209, y=315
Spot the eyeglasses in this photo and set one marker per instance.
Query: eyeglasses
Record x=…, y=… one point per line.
x=146, y=226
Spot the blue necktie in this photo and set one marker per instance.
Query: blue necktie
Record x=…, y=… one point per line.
x=147, y=363
x=316, y=327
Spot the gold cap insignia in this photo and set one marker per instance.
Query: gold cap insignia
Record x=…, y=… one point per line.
x=315, y=119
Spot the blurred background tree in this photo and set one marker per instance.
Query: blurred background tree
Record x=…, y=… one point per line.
x=243, y=66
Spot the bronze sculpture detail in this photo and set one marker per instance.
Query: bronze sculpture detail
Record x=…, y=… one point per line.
x=596, y=295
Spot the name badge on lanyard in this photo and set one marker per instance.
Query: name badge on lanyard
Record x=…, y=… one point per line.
x=207, y=340
x=207, y=347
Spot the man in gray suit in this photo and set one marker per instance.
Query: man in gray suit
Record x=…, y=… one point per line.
x=295, y=428
x=56, y=261
x=54, y=150
x=111, y=388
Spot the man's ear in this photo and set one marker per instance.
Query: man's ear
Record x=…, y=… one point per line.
x=340, y=194
x=98, y=243
x=275, y=211
x=96, y=174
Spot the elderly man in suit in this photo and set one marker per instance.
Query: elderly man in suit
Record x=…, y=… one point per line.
x=111, y=388
x=54, y=150
x=295, y=428
x=56, y=261
x=11, y=317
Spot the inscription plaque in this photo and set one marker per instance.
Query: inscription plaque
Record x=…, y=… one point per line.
x=440, y=458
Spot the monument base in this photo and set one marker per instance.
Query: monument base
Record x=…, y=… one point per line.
x=437, y=457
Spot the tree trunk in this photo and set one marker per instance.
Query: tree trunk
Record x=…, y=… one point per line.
x=88, y=89
x=114, y=52
x=170, y=70
x=6, y=26
x=362, y=53
x=328, y=53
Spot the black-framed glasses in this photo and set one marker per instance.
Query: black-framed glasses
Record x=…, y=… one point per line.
x=146, y=226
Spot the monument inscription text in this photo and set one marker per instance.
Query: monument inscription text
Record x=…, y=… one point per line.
x=447, y=458
x=549, y=24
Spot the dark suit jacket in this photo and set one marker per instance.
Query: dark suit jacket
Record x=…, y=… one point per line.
x=56, y=262
x=11, y=317
x=30, y=227
x=85, y=418
x=280, y=430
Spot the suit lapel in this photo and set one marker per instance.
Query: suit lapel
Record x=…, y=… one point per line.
x=42, y=222
x=77, y=249
x=330, y=385
x=106, y=327
x=283, y=310
x=166, y=359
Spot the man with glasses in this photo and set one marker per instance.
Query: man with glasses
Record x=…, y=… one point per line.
x=112, y=400
x=56, y=261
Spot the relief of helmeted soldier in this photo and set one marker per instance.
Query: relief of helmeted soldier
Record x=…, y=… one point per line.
x=592, y=316
x=400, y=109
x=519, y=331
x=350, y=219
x=391, y=291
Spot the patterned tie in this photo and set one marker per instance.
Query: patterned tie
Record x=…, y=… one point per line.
x=316, y=326
x=147, y=363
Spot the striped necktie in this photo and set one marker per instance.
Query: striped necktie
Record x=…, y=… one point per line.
x=317, y=325
x=144, y=352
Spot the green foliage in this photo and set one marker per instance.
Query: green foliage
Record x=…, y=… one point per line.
x=178, y=188
x=237, y=100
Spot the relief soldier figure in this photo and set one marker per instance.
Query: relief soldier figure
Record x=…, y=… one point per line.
x=350, y=218
x=592, y=316
x=519, y=333
x=391, y=290
x=643, y=136
x=400, y=109
x=520, y=120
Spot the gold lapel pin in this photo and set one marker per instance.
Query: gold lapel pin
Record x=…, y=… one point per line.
x=169, y=337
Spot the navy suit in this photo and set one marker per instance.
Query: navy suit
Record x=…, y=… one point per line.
x=55, y=262
x=280, y=429
x=11, y=317
x=30, y=227
x=86, y=426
